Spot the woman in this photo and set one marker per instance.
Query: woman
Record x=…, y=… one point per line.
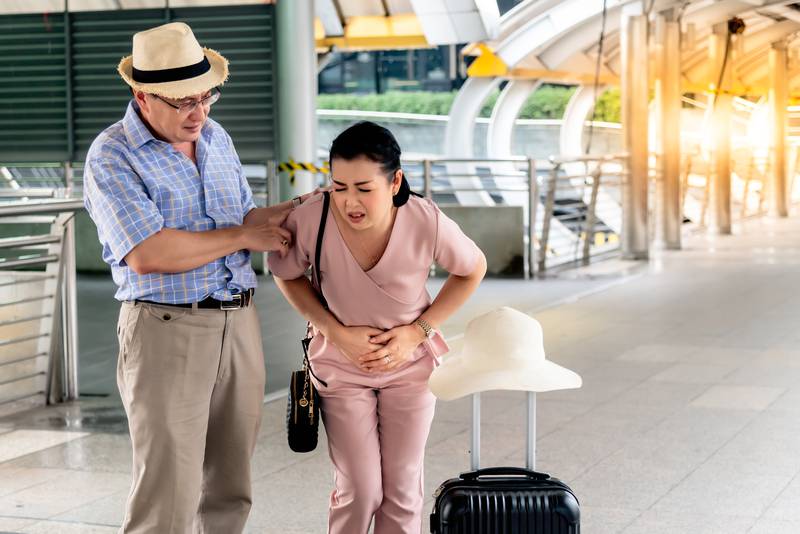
x=377, y=344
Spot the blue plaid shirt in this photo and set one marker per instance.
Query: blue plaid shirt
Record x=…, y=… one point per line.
x=135, y=185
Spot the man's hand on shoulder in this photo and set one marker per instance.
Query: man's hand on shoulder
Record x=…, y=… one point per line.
x=267, y=237
x=271, y=215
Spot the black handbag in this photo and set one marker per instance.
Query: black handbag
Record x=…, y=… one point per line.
x=303, y=410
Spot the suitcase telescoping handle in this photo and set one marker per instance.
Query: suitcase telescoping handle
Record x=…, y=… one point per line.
x=505, y=471
x=530, y=441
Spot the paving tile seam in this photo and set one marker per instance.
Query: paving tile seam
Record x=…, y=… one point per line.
x=89, y=503
x=778, y=496
x=583, y=472
x=25, y=488
x=752, y=419
x=607, y=402
x=292, y=464
x=38, y=520
x=39, y=451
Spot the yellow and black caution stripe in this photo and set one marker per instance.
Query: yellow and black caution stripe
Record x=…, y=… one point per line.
x=293, y=166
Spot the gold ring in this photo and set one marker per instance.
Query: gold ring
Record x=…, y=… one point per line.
x=284, y=242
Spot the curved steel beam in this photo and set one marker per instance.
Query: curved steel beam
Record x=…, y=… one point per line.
x=571, y=143
x=570, y=138
x=459, y=138
x=504, y=115
x=579, y=39
x=500, y=133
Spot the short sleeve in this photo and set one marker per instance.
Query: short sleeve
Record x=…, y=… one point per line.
x=454, y=251
x=247, y=194
x=297, y=260
x=244, y=186
x=119, y=205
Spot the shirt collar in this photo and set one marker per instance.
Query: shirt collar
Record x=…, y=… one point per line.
x=137, y=132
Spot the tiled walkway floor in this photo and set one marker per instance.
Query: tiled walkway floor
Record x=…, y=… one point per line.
x=688, y=421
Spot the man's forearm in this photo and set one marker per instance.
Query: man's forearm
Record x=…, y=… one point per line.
x=177, y=251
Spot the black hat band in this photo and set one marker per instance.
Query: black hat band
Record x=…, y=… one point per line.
x=171, y=75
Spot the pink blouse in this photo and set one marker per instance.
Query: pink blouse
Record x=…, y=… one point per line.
x=393, y=292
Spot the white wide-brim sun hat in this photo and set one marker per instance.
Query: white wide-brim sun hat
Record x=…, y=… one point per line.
x=168, y=61
x=503, y=350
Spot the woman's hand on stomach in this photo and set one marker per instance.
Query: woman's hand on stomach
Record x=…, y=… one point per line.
x=353, y=341
x=398, y=347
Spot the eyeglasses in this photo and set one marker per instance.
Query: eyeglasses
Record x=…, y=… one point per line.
x=186, y=108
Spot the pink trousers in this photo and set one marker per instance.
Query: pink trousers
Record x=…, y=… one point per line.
x=377, y=426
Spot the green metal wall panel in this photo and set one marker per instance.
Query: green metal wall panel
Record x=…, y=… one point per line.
x=47, y=115
x=245, y=36
x=33, y=99
x=99, y=96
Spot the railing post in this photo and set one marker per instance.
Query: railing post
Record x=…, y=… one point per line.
x=273, y=185
x=548, y=214
x=590, y=215
x=750, y=172
x=533, y=202
x=69, y=179
x=70, y=309
x=707, y=193
x=426, y=171
x=273, y=197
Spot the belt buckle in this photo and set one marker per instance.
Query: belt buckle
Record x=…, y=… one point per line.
x=235, y=304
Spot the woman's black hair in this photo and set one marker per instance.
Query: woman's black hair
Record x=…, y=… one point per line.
x=376, y=143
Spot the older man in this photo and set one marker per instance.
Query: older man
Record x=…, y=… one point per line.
x=176, y=219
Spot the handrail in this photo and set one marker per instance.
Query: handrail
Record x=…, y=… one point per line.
x=11, y=209
x=28, y=192
x=560, y=160
x=27, y=262
x=511, y=159
x=26, y=241
x=59, y=259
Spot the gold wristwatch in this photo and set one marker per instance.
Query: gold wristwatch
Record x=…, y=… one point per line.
x=422, y=323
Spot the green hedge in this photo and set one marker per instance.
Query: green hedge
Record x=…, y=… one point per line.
x=548, y=102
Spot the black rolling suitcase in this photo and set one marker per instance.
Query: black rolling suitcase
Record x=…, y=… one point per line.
x=505, y=500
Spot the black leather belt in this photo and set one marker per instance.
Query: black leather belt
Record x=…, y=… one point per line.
x=240, y=300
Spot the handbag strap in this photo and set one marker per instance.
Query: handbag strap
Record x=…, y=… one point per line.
x=316, y=280
x=315, y=272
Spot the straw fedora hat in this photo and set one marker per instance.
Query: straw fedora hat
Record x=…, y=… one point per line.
x=168, y=61
x=503, y=349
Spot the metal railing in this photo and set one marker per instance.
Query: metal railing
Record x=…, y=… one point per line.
x=38, y=303
x=598, y=181
x=750, y=180
x=560, y=203
x=512, y=176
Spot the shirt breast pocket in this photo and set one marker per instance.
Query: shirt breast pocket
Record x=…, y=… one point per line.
x=224, y=198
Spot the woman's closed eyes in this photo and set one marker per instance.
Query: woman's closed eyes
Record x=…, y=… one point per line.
x=345, y=189
x=340, y=188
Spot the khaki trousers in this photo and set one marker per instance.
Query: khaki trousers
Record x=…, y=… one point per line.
x=192, y=384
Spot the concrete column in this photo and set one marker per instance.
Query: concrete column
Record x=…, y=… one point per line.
x=634, y=102
x=778, y=100
x=720, y=205
x=297, y=92
x=668, y=97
